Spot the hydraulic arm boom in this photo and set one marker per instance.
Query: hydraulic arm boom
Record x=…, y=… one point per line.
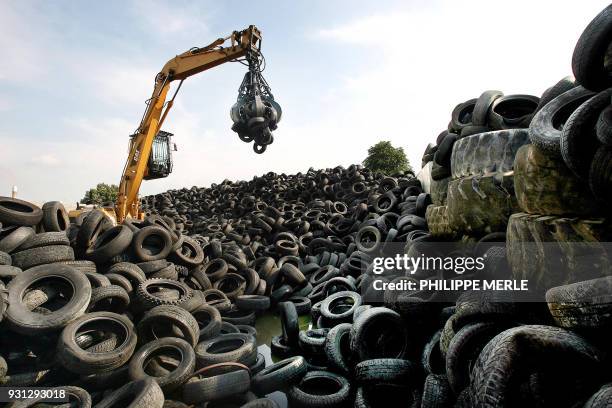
x=179, y=68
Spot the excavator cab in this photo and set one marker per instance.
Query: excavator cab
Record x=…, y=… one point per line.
x=160, y=159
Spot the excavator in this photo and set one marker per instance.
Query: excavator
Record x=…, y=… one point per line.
x=255, y=114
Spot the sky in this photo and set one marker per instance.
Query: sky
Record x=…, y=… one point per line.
x=74, y=77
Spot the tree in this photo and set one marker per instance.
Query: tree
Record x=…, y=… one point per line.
x=384, y=158
x=101, y=194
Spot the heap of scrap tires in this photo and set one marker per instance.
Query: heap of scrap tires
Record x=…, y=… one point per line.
x=161, y=312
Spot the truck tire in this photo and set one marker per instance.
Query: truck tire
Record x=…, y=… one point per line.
x=487, y=153
x=544, y=185
x=479, y=205
x=589, y=58
x=582, y=305
x=538, y=250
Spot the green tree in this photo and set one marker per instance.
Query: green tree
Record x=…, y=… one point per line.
x=101, y=194
x=386, y=159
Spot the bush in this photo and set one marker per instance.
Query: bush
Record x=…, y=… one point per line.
x=102, y=194
x=384, y=158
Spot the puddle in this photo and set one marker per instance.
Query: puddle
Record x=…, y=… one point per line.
x=268, y=325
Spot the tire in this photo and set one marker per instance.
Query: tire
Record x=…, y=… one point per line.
x=603, y=128
x=152, y=266
x=483, y=105
x=93, y=225
x=311, y=342
x=235, y=348
x=137, y=394
x=81, y=265
x=438, y=222
x=388, y=371
x=151, y=243
x=582, y=305
x=578, y=140
x=18, y=212
x=209, y=321
x=232, y=284
x=293, y=275
x=77, y=397
x=379, y=324
x=302, y=304
x=239, y=317
x=590, y=54
x=111, y=243
x=443, y=154
x=601, y=398
x=174, y=378
x=439, y=172
x=55, y=218
x=24, y=321
x=494, y=370
x=253, y=302
x=110, y=298
x=487, y=153
x=121, y=281
x=512, y=112
x=335, y=308
x=216, y=387
x=368, y=240
x=8, y=273
x=337, y=348
x=600, y=181
x=438, y=191
x=215, y=269
x=217, y=299
x=190, y=253
x=45, y=239
x=76, y=360
x=5, y=259
x=464, y=348
x=280, y=348
x=431, y=358
x=545, y=127
x=279, y=376
x=473, y=130
x=149, y=300
x=289, y=321
x=129, y=271
x=168, y=321
x=564, y=85
x=481, y=205
x=328, y=390
x=462, y=115
x=259, y=365
x=437, y=393
x=16, y=239
x=544, y=185
x=554, y=263
x=261, y=403
x=42, y=256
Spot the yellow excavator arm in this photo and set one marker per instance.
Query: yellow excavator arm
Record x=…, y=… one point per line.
x=178, y=68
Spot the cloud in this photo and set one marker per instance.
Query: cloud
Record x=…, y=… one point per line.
x=418, y=64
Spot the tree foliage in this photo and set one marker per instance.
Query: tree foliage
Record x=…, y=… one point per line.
x=101, y=194
x=384, y=158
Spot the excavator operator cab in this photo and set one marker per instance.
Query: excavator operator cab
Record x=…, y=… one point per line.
x=160, y=159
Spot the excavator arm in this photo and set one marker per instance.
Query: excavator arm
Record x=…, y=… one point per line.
x=178, y=68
